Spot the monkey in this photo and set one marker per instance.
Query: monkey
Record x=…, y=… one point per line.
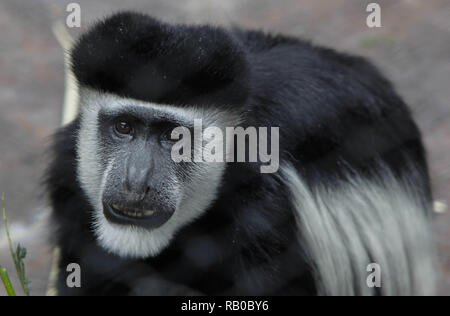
x=352, y=188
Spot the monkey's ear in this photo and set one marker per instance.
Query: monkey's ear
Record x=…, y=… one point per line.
x=134, y=55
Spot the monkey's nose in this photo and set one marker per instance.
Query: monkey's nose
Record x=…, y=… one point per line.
x=136, y=181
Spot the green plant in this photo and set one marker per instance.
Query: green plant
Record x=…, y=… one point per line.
x=18, y=258
x=7, y=282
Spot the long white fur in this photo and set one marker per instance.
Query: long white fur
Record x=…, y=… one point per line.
x=193, y=198
x=345, y=228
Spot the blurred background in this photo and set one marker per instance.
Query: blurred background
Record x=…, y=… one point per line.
x=412, y=48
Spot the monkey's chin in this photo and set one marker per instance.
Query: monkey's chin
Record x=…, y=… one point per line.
x=128, y=241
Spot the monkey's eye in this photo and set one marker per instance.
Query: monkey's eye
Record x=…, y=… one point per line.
x=166, y=134
x=123, y=128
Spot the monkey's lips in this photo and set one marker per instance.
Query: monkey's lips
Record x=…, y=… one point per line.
x=124, y=215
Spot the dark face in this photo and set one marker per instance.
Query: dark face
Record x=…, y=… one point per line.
x=141, y=178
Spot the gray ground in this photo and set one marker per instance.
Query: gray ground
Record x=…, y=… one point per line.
x=412, y=48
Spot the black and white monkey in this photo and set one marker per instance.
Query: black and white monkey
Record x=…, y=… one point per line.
x=352, y=188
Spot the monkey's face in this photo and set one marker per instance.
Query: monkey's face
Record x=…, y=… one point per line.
x=140, y=195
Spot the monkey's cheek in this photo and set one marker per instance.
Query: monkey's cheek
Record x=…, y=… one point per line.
x=131, y=218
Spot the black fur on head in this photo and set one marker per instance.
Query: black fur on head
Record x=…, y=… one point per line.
x=137, y=56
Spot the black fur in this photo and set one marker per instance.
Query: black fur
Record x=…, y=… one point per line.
x=137, y=56
x=335, y=112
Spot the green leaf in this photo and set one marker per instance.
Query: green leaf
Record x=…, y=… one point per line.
x=7, y=282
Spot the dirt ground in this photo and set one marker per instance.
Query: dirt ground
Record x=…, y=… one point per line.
x=412, y=49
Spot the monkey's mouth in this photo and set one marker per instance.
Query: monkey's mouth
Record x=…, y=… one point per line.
x=131, y=212
x=124, y=215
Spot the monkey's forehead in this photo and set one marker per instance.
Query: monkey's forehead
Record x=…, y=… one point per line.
x=134, y=55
